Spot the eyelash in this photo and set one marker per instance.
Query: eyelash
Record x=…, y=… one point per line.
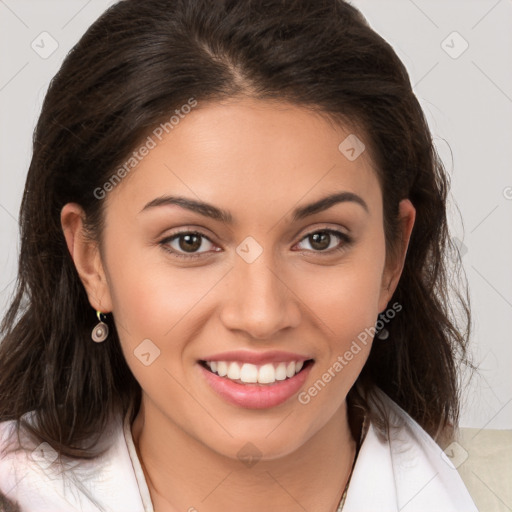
x=342, y=236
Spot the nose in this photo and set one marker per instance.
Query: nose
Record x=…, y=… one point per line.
x=258, y=299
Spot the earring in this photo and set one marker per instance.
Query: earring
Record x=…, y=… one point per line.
x=100, y=331
x=383, y=334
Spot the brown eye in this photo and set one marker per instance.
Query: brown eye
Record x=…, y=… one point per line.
x=187, y=244
x=320, y=241
x=326, y=240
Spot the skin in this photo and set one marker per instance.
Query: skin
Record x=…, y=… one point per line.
x=259, y=160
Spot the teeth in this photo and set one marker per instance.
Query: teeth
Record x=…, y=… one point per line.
x=251, y=373
x=233, y=371
x=222, y=368
x=281, y=371
x=267, y=374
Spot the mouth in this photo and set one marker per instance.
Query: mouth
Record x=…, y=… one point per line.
x=253, y=386
x=248, y=373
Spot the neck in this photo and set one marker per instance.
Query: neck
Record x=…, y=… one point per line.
x=184, y=474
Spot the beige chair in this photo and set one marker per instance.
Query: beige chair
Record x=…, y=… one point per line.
x=483, y=458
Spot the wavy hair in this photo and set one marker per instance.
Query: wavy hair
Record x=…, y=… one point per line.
x=132, y=68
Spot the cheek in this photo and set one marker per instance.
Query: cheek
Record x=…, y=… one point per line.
x=345, y=303
x=345, y=300
x=346, y=296
x=145, y=292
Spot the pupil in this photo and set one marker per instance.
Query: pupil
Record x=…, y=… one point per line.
x=192, y=242
x=320, y=240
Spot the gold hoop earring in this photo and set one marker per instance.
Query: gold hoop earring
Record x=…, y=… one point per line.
x=100, y=331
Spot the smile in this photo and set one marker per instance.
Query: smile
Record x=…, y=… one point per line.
x=251, y=373
x=253, y=386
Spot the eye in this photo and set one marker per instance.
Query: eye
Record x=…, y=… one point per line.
x=186, y=244
x=327, y=240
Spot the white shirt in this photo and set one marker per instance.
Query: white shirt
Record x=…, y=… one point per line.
x=408, y=472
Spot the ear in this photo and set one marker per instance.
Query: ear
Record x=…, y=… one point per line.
x=395, y=263
x=86, y=256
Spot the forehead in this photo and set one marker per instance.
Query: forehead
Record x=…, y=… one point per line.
x=255, y=155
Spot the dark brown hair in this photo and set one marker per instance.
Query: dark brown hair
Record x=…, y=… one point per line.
x=134, y=66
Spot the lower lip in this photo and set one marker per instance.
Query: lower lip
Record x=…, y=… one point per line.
x=256, y=396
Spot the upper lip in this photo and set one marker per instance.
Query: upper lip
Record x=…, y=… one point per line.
x=245, y=356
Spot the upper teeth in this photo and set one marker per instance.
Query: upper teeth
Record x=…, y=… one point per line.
x=247, y=372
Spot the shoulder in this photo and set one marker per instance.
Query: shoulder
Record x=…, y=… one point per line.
x=33, y=477
x=408, y=470
x=7, y=438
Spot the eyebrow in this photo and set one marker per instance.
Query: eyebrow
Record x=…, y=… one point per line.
x=213, y=212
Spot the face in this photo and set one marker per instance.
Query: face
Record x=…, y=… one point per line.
x=264, y=276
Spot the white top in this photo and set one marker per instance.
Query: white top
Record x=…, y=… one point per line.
x=407, y=472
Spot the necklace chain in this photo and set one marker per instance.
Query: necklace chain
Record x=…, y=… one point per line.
x=364, y=429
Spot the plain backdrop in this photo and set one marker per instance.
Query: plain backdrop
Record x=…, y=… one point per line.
x=458, y=54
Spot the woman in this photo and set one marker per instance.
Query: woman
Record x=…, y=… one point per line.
x=233, y=289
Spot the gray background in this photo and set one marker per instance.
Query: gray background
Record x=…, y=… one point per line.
x=465, y=92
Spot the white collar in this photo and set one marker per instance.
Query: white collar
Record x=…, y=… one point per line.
x=406, y=472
